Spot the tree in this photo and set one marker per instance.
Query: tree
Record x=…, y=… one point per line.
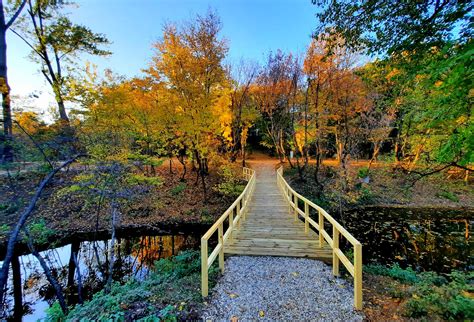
x=7, y=152
x=56, y=44
x=243, y=108
x=19, y=226
x=385, y=26
x=318, y=69
x=437, y=104
x=189, y=60
x=271, y=91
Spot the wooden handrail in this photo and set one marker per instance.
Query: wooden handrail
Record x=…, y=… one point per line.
x=293, y=198
x=240, y=205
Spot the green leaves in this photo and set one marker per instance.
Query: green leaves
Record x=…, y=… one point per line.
x=71, y=39
x=381, y=27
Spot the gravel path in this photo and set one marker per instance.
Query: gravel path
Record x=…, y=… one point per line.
x=280, y=288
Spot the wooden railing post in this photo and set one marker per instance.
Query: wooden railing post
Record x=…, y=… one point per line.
x=321, y=228
x=244, y=208
x=231, y=224
x=204, y=277
x=358, y=276
x=238, y=213
x=335, y=247
x=306, y=217
x=220, y=236
x=295, y=203
x=288, y=198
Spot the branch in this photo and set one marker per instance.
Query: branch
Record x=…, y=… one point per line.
x=28, y=43
x=35, y=143
x=15, y=15
x=454, y=164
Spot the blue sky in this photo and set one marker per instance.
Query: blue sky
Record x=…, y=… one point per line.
x=252, y=28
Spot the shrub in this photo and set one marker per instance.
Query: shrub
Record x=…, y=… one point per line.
x=448, y=297
x=363, y=172
x=231, y=184
x=164, y=294
x=403, y=275
x=448, y=195
x=178, y=189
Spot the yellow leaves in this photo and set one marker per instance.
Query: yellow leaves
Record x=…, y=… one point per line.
x=261, y=313
x=468, y=294
x=233, y=295
x=392, y=73
x=222, y=112
x=29, y=121
x=295, y=274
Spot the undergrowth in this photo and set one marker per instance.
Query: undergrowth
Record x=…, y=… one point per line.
x=171, y=292
x=450, y=296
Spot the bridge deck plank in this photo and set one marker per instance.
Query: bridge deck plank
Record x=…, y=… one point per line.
x=269, y=229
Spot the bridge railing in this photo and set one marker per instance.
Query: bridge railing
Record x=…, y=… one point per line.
x=239, y=208
x=355, y=269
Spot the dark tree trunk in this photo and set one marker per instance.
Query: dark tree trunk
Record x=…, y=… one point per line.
x=17, y=289
x=72, y=264
x=49, y=275
x=79, y=280
x=7, y=153
x=62, y=109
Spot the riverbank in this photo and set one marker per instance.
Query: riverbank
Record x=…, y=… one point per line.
x=170, y=293
x=64, y=215
x=383, y=185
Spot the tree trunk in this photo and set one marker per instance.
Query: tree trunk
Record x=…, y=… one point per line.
x=17, y=289
x=79, y=280
x=62, y=109
x=72, y=264
x=7, y=153
x=112, y=248
x=49, y=275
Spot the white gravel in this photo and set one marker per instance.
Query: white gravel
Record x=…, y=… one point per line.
x=280, y=288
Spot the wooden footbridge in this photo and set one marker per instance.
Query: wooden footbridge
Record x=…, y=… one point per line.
x=270, y=218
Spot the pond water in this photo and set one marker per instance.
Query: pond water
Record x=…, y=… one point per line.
x=134, y=257
x=422, y=238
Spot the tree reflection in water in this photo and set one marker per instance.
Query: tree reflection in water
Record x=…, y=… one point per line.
x=135, y=257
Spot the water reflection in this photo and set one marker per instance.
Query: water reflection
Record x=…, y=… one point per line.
x=134, y=256
x=424, y=239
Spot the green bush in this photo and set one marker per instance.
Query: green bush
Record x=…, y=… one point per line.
x=363, y=172
x=408, y=275
x=4, y=230
x=366, y=195
x=40, y=233
x=174, y=283
x=448, y=195
x=178, y=189
x=231, y=184
x=448, y=297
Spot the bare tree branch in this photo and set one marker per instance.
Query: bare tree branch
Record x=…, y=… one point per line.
x=15, y=15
